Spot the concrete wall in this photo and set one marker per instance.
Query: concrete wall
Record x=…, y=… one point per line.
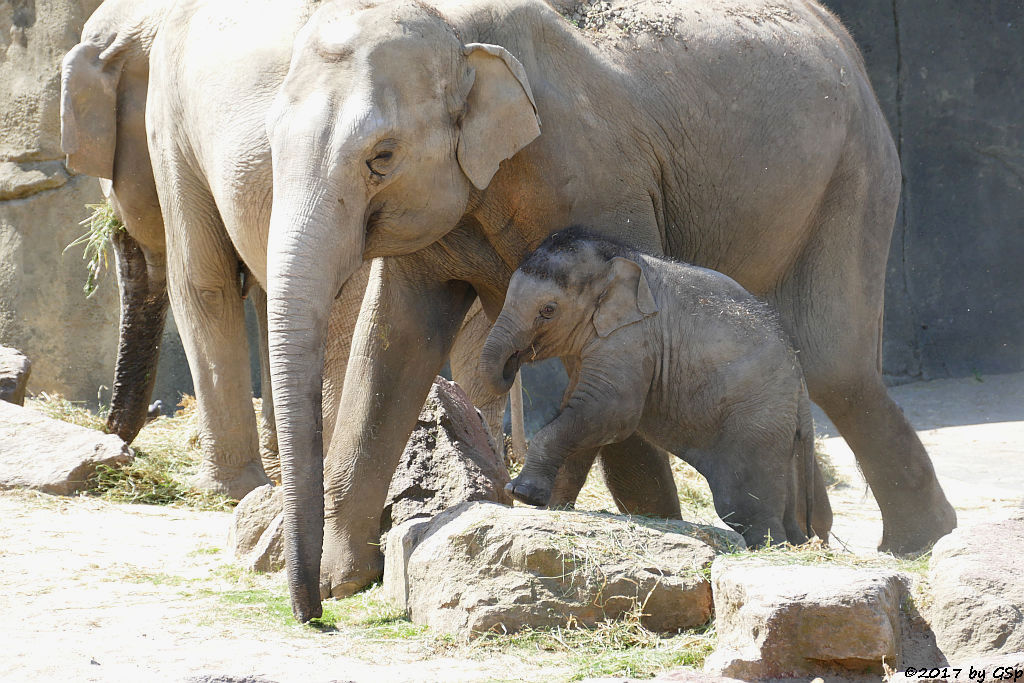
x=950, y=76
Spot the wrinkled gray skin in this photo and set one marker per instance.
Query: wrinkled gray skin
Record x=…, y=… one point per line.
x=749, y=141
x=211, y=156
x=679, y=354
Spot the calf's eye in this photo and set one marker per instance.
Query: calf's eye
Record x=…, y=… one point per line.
x=547, y=310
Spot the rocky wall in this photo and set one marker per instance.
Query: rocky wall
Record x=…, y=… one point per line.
x=71, y=340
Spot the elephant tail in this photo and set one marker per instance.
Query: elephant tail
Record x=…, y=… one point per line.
x=805, y=447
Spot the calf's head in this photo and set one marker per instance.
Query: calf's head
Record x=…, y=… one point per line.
x=576, y=289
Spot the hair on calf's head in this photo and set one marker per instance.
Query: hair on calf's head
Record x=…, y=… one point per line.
x=557, y=257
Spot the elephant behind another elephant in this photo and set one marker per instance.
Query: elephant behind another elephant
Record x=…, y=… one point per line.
x=217, y=215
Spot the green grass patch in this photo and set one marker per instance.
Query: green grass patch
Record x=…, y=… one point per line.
x=167, y=456
x=100, y=227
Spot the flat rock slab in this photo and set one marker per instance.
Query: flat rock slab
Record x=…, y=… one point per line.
x=978, y=590
x=798, y=620
x=15, y=369
x=481, y=566
x=41, y=453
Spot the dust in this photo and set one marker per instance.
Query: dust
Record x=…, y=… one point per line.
x=767, y=14
x=604, y=17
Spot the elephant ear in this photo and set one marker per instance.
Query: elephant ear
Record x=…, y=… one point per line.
x=500, y=116
x=88, y=110
x=626, y=298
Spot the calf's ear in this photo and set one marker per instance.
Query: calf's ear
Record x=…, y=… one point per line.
x=626, y=298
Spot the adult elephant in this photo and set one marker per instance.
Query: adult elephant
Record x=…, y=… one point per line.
x=743, y=136
x=211, y=98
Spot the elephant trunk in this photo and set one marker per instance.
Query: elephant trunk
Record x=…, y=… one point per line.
x=502, y=355
x=143, y=296
x=315, y=245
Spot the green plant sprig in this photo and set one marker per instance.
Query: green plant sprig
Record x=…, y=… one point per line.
x=100, y=228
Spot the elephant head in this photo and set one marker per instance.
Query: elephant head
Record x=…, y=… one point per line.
x=385, y=129
x=570, y=293
x=104, y=82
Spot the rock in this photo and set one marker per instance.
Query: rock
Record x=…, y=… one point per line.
x=41, y=453
x=268, y=554
x=14, y=371
x=401, y=541
x=481, y=566
x=797, y=620
x=450, y=458
x=252, y=516
x=978, y=590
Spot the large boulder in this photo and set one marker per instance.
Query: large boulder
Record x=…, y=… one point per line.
x=72, y=340
x=978, y=590
x=41, y=453
x=480, y=566
x=14, y=371
x=450, y=458
x=783, y=620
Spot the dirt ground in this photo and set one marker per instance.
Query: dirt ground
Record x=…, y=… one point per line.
x=93, y=591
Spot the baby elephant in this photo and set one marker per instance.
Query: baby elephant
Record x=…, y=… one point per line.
x=681, y=355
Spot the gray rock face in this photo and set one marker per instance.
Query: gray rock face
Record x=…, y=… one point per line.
x=978, y=590
x=482, y=566
x=792, y=620
x=14, y=371
x=450, y=458
x=43, y=312
x=48, y=455
x=252, y=516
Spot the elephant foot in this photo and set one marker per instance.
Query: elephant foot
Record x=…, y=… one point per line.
x=912, y=522
x=347, y=566
x=233, y=483
x=529, y=491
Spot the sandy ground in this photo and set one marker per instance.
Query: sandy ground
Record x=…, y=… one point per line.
x=974, y=431
x=91, y=591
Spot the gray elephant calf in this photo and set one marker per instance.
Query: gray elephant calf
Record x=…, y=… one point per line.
x=681, y=354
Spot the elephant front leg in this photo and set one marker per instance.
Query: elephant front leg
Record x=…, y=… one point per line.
x=605, y=408
x=203, y=279
x=403, y=335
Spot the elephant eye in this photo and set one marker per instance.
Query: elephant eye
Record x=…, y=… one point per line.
x=547, y=310
x=380, y=164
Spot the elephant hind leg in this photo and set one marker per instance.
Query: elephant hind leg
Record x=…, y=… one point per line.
x=639, y=477
x=753, y=484
x=832, y=306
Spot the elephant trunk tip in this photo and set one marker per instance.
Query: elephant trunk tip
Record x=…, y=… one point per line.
x=307, y=610
x=499, y=375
